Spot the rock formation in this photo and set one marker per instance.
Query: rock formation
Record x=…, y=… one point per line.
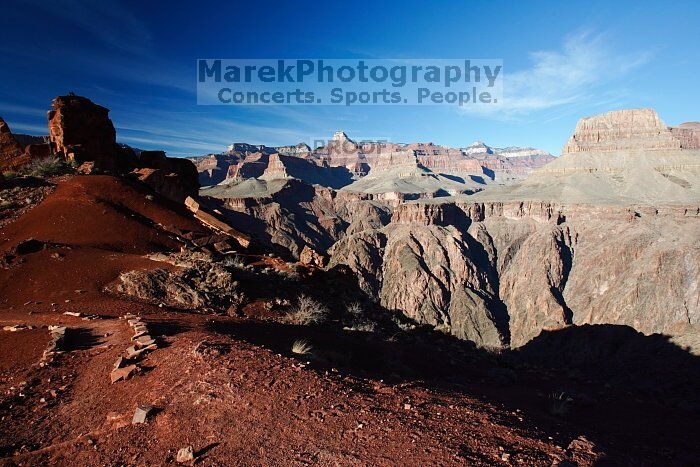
x=474, y=166
x=688, y=134
x=82, y=131
x=503, y=272
x=172, y=177
x=621, y=130
x=625, y=156
x=12, y=155
x=213, y=168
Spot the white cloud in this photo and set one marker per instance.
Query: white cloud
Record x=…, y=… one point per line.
x=558, y=79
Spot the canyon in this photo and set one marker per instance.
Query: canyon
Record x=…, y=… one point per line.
x=322, y=298
x=607, y=233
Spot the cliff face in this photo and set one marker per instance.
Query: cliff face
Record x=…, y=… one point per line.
x=688, y=134
x=213, y=168
x=500, y=273
x=82, y=131
x=619, y=130
x=623, y=130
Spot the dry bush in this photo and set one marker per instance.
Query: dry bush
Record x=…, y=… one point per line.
x=301, y=347
x=559, y=403
x=234, y=261
x=355, y=319
x=307, y=311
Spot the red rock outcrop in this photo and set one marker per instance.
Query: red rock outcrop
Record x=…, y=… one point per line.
x=12, y=155
x=82, y=131
x=310, y=256
x=172, y=177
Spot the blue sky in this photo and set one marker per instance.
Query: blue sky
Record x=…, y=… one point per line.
x=562, y=60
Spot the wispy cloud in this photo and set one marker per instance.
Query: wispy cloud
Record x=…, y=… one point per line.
x=29, y=128
x=109, y=22
x=192, y=133
x=559, y=79
x=9, y=107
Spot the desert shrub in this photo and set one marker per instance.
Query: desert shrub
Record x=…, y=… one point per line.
x=307, y=311
x=289, y=274
x=559, y=403
x=233, y=261
x=45, y=167
x=301, y=347
x=355, y=319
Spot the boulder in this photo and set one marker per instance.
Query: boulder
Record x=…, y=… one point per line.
x=311, y=256
x=141, y=413
x=12, y=154
x=178, y=178
x=185, y=455
x=86, y=168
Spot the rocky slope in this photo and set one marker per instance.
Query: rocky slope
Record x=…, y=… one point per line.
x=135, y=268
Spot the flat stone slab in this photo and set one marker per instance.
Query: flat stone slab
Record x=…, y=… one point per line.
x=141, y=414
x=144, y=341
x=132, y=352
x=16, y=327
x=118, y=363
x=122, y=373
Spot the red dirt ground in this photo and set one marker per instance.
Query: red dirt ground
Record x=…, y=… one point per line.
x=245, y=399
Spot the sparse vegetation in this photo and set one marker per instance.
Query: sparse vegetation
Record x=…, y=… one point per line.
x=301, y=347
x=559, y=403
x=289, y=274
x=355, y=319
x=308, y=311
x=233, y=261
x=45, y=167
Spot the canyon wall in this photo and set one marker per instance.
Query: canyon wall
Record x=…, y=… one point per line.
x=500, y=273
